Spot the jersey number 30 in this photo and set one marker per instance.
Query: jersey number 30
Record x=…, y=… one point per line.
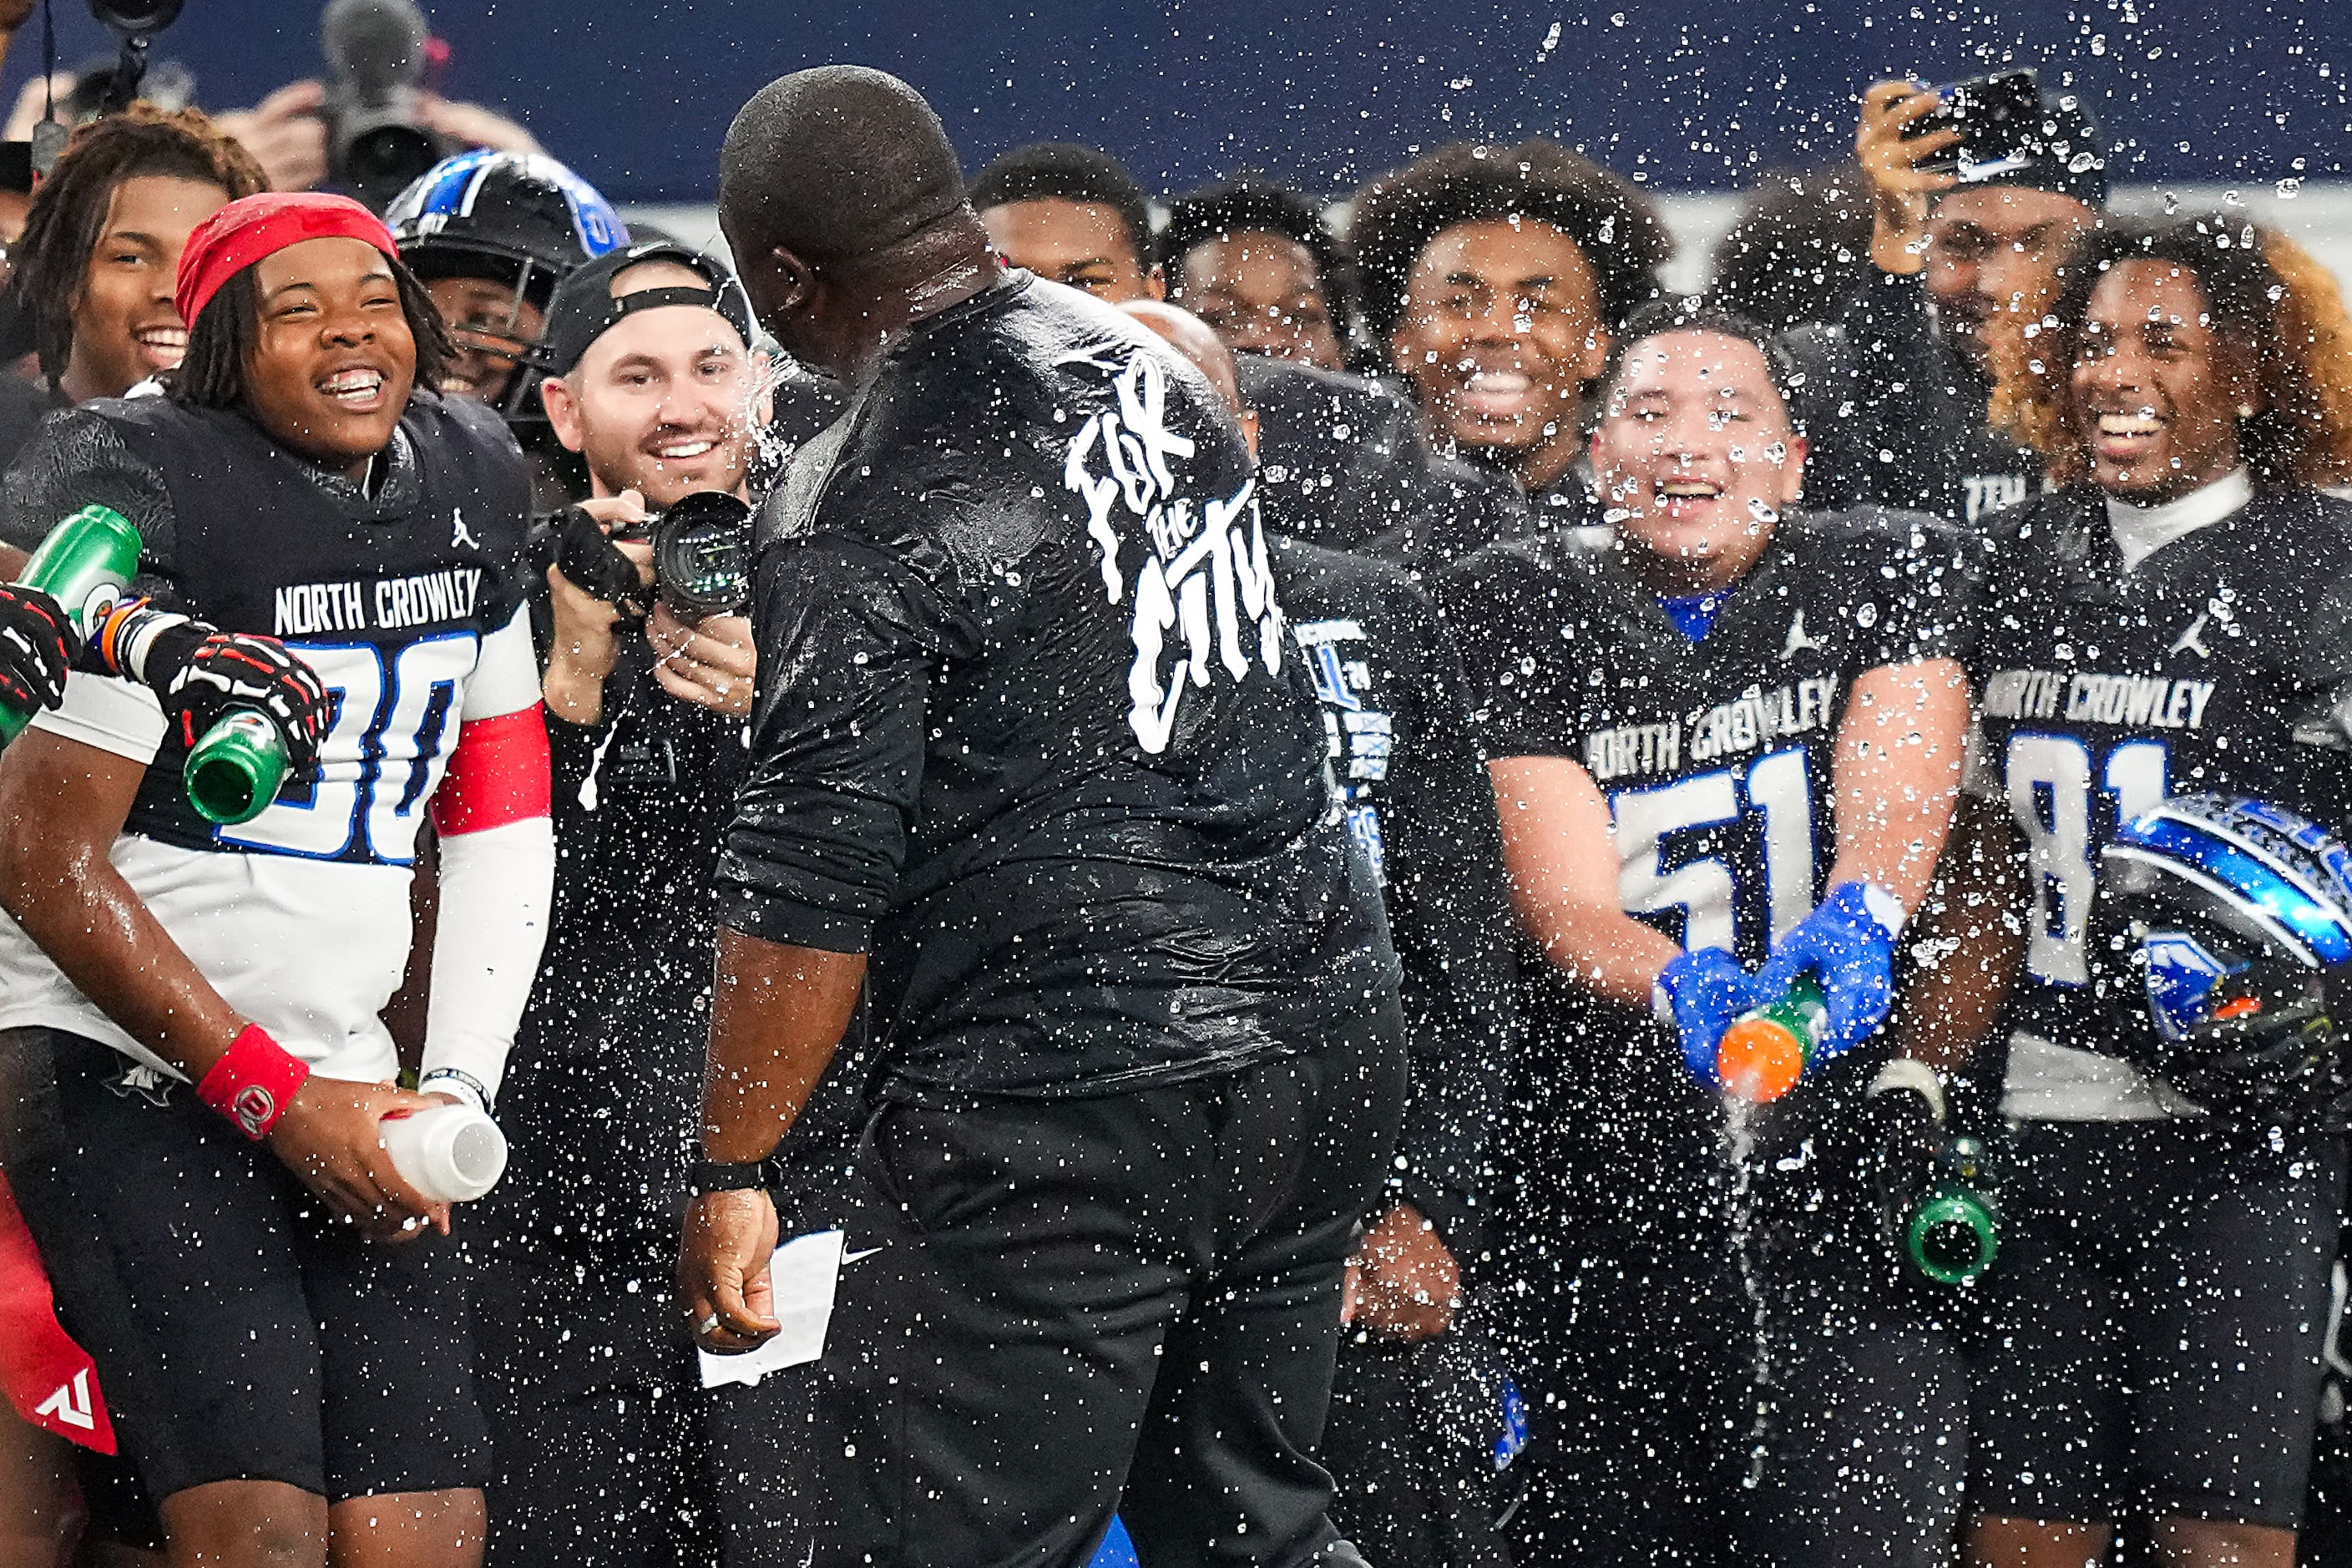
x=397, y=714
x=2049, y=783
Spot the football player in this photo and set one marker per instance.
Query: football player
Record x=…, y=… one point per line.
x=2172, y=620
x=1732, y=738
x=275, y=1309
x=1497, y=279
x=1399, y=743
x=490, y=235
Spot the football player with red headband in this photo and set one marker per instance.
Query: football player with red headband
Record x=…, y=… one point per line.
x=283, y=1341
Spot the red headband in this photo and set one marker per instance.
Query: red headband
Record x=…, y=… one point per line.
x=251, y=228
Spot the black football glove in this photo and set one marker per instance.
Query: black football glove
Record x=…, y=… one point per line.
x=2269, y=1053
x=199, y=674
x=35, y=647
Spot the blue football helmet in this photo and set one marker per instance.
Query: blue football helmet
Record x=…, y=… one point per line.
x=520, y=219
x=2227, y=922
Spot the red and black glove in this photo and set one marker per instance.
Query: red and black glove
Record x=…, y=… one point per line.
x=35, y=649
x=200, y=674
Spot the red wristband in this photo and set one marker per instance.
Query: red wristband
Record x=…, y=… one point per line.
x=254, y=1083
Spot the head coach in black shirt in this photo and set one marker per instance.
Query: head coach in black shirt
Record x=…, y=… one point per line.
x=1028, y=740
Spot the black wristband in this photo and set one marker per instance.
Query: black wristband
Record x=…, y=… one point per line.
x=718, y=1177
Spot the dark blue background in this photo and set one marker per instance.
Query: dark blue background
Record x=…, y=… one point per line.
x=1695, y=95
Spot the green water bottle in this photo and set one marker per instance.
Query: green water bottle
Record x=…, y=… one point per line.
x=85, y=564
x=1767, y=1049
x=1955, y=1228
x=234, y=770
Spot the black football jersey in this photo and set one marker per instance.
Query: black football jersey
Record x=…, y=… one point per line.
x=1031, y=728
x=1397, y=731
x=1898, y=416
x=1715, y=756
x=2216, y=665
x=387, y=596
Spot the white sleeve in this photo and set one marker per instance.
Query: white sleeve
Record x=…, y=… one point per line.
x=497, y=886
x=109, y=713
x=496, y=889
x=506, y=672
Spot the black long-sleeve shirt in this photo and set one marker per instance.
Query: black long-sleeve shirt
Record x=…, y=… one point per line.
x=1030, y=729
x=1899, y=419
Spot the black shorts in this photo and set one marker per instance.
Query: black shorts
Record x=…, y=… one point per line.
x=2157, y=1311
x=240, y=1333
x=1053, y=1308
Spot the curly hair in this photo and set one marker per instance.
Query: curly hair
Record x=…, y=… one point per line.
x=1397, y=215
x=1261, y=207
x=68, y=212
x=2265, y=296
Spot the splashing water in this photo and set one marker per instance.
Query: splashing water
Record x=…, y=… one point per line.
x=775, y=451
x=1739, y=1153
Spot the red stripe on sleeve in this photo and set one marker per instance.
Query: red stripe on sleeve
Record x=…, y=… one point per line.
x=499, y=774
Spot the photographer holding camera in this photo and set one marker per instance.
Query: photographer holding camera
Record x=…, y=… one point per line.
x=589, y=1376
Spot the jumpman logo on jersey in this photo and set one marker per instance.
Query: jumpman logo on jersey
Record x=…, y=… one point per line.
x=1798, y=641
x=144, y=1082
x=2192, y=640
x=459, y=533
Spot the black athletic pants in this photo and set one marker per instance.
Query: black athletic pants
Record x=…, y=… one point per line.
x=1673, y=1427
x=1129, y=1302
x=2157, y=1313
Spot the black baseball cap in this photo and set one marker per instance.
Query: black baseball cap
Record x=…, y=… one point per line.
x=2059, y=148
x=583, y=309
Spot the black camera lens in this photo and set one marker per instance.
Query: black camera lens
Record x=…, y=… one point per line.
x=390, y=156
x=702, y=554
x=135, y=19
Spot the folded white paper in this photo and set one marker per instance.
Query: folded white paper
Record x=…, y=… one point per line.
x=804, y=1271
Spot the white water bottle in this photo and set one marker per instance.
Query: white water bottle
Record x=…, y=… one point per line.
x=451, y=1153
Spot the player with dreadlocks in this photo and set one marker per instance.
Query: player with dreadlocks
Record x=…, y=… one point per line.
x=2175, y=618
x=301, y=480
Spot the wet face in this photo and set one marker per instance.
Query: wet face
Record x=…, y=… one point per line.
x=125, y=328
x=1996, y=250
x=1695, y=459
x=333, y=362
x=1262, y=293
x=1502, y=333
x=2155, y=392
x=666, y=401
x=1083, y=244
x=479, y=313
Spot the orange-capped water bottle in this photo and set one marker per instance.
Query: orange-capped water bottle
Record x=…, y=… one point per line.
x=1766, y=1050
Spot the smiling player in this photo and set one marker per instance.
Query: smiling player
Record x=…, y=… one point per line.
x=2172, y=620
x=278, y=1382
x=1732, y=736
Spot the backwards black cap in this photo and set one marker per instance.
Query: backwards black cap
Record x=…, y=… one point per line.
x=583, y=309
x=2058, y=149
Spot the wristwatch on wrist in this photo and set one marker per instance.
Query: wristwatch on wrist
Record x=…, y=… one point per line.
x=722, y=1176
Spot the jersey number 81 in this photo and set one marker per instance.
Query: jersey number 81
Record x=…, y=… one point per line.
x=2051, y=794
